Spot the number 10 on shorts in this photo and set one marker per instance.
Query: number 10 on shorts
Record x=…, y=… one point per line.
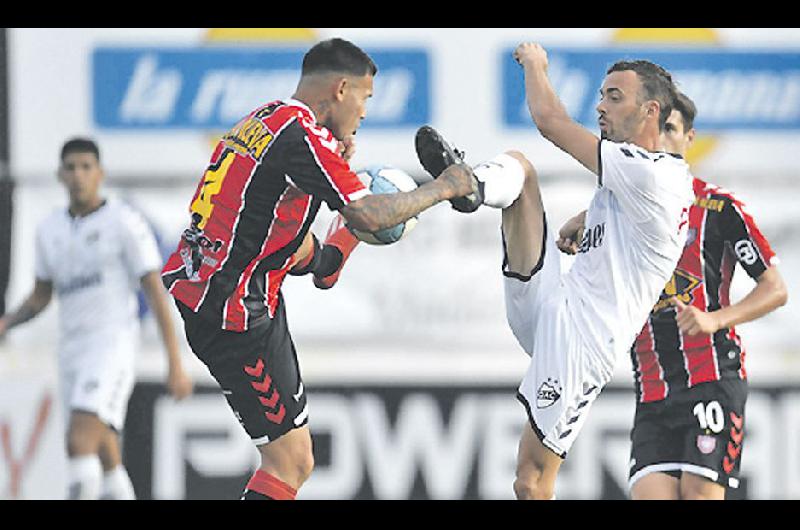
x=710, y=416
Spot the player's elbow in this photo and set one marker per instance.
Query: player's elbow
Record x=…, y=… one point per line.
x=360, y=218
x=780, y=294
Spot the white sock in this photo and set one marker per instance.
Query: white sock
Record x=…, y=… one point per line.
x=502, y=178
x=117, y=485
x=85, y=477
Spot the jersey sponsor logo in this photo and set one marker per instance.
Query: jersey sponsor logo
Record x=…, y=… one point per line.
x=681, y=286
x=207, y=88
x=80, y=283
x=745, y=251
x=249, y=137
x=710, y=204
x=592, y=238
x=549, y=392
x=715, y=78
x=197, y=243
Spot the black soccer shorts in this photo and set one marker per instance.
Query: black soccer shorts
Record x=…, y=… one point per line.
x=257, y=371
x=698, y=430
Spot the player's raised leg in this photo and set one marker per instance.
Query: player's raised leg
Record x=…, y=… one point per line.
x=523, y=223
x=339, y=244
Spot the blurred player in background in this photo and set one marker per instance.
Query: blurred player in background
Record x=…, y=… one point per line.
x=691, y=384
x=575, y=325
x=95, y=255
x=249, y=227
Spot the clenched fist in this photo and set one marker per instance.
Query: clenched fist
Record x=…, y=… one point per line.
x=531, y=54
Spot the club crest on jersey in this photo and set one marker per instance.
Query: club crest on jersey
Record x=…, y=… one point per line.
x=706, y=444
x=549, y=392
x=681, y=286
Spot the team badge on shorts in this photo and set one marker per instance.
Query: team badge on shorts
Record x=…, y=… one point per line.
x=706, y=444
x=548, y=393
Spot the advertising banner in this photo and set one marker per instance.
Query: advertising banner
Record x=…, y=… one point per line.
x=733, y=90
x=211, y=88
x=433, y=441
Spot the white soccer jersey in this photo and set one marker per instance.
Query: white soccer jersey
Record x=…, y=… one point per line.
x=96, y=263
x=634, y=234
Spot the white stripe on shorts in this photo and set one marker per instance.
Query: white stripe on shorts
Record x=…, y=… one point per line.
x=675, y=466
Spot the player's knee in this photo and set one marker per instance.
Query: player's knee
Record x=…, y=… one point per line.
x=81, y=442
x=530, y=485
x=305, y=465
x=526, y=490
x=527, y=165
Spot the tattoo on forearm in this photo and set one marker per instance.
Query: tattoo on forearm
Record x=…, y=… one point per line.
x=389, y=210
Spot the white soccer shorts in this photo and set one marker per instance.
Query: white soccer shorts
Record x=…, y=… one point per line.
x=99, y=380
x=564, y=377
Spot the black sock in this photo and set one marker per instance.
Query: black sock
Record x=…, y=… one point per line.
x=330, y=258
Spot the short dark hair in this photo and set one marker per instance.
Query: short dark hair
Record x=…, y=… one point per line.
x=687, y=108
x=80, y=145
x=340, y=56
x=656, y=82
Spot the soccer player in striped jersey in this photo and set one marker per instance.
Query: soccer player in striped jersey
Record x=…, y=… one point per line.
x=94, y=255
x=249, y=227
x=688, y=360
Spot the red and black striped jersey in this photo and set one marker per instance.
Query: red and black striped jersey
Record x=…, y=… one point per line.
x=721, y=233
x=251, y=210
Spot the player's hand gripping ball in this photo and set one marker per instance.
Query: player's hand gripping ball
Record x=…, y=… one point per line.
x=380, y=180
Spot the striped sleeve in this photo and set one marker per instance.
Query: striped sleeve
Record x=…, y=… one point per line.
x=312, y=163
x=751, y=248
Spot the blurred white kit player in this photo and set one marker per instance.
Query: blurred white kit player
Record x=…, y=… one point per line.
x=94, y=255
x=575, y=324
x=95, y=264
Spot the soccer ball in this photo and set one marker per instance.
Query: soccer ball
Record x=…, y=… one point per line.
x=385, y=179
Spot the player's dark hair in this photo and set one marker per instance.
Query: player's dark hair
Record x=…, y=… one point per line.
x=657, y=84
x=340, y=56
x=688, y=110
x=80, y=145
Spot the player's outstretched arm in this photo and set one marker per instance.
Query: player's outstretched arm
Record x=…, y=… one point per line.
x=179, y=383
x=33, y=305
x=379, y=211
x=769, y=294
x=548, y=112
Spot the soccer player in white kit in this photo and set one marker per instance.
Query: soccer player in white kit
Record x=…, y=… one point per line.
x=95, y=254
x=574, y=325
